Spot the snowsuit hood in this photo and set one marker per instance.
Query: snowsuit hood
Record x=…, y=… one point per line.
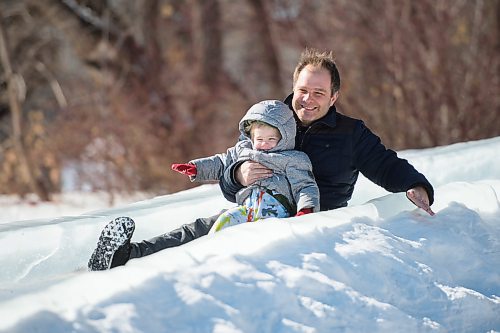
x=274, y=113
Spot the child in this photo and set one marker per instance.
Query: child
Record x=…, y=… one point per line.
x=268, y=137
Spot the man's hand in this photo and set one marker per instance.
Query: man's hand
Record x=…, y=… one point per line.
x=418, y=195
x=249, y=172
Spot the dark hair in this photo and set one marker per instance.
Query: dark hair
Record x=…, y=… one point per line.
x=319, y=59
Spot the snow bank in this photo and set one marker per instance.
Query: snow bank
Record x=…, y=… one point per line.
x=378, y=265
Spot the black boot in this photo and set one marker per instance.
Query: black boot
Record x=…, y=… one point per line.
x=113, y=247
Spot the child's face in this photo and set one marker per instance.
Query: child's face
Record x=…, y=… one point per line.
x=265, y=137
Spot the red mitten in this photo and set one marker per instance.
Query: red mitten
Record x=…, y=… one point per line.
x=304, y=211
x=187, y=169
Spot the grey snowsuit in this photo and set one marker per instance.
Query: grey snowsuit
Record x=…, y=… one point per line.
x=292, y=180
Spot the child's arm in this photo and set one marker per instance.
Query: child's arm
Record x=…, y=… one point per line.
x=302, y=183
x=210, y=168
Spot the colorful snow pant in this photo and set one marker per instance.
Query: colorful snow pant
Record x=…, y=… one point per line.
x=260, y=204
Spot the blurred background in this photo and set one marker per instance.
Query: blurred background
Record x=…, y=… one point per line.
x=103, y=95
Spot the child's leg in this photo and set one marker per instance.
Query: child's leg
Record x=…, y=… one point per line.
x=230, y=217
x=259, y=205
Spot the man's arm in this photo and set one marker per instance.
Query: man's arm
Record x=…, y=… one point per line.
x=228, y=183
x=383, y=167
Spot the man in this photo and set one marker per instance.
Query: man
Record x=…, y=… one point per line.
x=338, y=146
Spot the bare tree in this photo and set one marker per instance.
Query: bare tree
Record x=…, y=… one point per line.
x=124, y=88
x=16, y=90
x=430, y=68
x=268, y=47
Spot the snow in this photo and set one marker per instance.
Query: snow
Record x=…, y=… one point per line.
x=69, y=203
x=379, y=265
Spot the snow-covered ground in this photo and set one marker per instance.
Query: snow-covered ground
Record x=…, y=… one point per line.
x=379, y=265
x=69, y=203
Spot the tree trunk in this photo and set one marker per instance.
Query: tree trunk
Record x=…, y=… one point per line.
x=269, y=54
x=13, y=84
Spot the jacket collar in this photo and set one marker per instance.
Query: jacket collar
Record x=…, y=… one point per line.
x=329, y=119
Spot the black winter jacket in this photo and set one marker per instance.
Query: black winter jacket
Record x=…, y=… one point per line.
x=339, y=148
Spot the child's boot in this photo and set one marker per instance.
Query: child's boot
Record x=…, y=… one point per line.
x=113, y=246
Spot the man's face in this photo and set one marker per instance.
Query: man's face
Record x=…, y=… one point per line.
x=312, y=94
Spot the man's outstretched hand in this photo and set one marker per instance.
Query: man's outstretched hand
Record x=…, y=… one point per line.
x=418, y=195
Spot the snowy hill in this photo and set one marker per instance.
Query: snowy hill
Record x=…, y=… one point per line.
x=379, y=265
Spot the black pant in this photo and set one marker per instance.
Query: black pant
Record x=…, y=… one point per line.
x=182, y=235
